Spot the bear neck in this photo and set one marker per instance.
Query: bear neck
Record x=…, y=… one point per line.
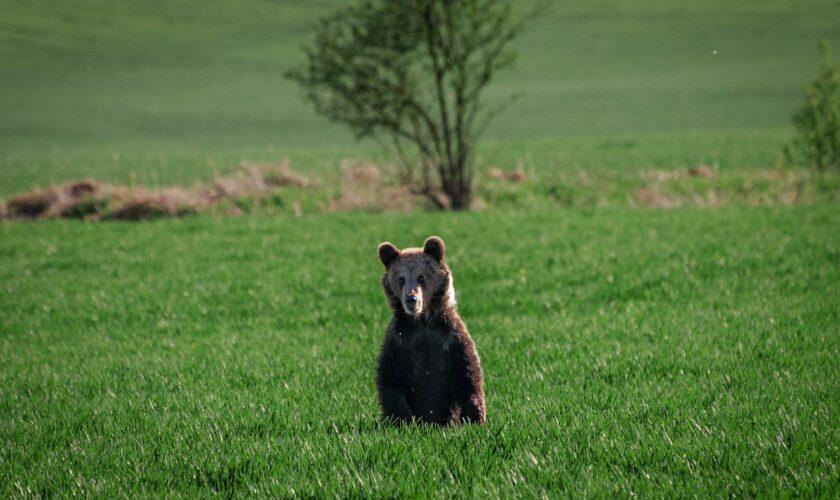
x=429, y=317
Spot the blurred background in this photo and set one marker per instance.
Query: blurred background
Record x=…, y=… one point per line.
x=161, y=92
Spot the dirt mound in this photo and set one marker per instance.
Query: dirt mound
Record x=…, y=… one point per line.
x=64, y=200
x=92, y=200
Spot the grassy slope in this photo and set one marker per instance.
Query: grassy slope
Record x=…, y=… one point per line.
x=655, y=352
x=160, y=92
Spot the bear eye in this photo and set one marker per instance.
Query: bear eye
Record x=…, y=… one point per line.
x=401, y=281
x=421, y=279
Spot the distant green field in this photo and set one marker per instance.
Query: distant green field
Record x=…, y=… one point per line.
x=158, y=92
x=655, y=353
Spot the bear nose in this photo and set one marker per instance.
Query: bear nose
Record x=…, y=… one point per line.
x=410, y=300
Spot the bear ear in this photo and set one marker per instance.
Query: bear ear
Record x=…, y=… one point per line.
x=388, y=253
x=434, y=247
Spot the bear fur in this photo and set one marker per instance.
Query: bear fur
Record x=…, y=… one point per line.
x=428, y=369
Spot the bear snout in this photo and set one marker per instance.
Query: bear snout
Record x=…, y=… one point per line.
x=412, y=304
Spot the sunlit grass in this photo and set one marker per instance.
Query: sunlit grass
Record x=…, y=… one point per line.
x=655, y=352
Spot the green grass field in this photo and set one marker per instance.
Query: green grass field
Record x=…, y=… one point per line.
x=159, y=92
x=647, y=352
x=664, y=353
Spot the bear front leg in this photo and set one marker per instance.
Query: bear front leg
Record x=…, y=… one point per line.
x=469, y=385
x=389, y=383
x=394, y=405
x=472, y=405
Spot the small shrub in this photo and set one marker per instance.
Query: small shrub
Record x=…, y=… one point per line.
x=244, y=203
x=818, y=121
x=275, y=200
x=559, y=193
x=86, y=206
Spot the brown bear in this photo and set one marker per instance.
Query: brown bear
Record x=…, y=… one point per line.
x=428, y=369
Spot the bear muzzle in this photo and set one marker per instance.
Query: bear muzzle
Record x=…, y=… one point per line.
x=413, y=304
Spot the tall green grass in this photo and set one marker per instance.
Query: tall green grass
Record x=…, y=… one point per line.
x=656, y=353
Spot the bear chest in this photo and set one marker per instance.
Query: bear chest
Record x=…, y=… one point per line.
x=427, y=355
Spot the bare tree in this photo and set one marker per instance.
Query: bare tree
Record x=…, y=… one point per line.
x=412, y=72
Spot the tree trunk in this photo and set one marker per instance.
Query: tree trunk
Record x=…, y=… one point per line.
x=459, y=199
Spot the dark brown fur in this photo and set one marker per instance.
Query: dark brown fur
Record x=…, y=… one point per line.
x=428, y=368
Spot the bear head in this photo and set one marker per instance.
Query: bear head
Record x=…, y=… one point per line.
x=417, y=281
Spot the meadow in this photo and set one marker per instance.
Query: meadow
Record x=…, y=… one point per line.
x=653, y=353
x=627, y=350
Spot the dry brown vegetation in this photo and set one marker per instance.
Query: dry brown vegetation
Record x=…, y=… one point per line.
x=704, y=186
x=93, y=200
x=364, y=186
x=361, y=185
x=515, y=176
